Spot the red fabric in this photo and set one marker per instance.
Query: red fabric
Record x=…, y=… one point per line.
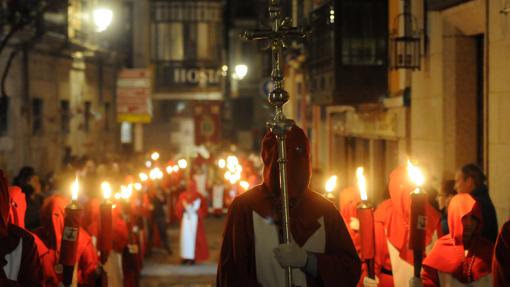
x=348, y=201
x=382, y=256
x=52, y=219
x=338, y=266
x=18, y=206
x=501, y=259
x=30, y=273
x=120, y=230
x=448, y=253
x=90, y=221
x=187, y=197
x=400, y=187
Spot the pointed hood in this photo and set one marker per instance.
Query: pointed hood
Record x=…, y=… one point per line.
x=18, y=206
x=4, y=205
x=460, y=206
x=400, y=187
x=298, y=162
x=52, y=218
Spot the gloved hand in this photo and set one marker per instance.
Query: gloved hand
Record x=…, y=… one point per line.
x=369, y=282
x=354, y=223
x=290, y=255
x=415, y=282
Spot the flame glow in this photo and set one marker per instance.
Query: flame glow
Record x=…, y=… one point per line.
x=362, y=183
x=107, y=190
x=155, y=156
x=169, y=169
x=137, y=186
x=222, y=163
x=331, y=183
x=143, y=176
x=175, y=168
x=244, y=184
x=182, y=163
x=415, y=174
x=75, y=188
x=156, y=173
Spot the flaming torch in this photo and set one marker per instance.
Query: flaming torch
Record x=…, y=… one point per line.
x=105, y=238
x=69, y=243
x=418, y=224
x=365, y=213
x=330, y=187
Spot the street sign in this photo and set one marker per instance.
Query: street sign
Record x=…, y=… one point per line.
x=134, y=96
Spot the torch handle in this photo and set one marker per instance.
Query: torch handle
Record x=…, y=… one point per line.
x=371, y=268
x=282, y=159
x=418, y=259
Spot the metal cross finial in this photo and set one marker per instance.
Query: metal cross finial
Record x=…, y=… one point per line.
x=281, y=31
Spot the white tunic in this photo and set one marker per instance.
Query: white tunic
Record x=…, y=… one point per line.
x=269, y=271
x=13, y=259
x=189, y=225
x=217, y=196
x=447, y=280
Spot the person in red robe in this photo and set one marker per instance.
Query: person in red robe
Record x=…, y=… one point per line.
x=17, y=217
x=501, y=259
x=462, y=257
x=19, y=260
x=383, y=269
x=52, y=219
x=191, y=209
x=348, y=201
x=253, y=253
x=397, y=228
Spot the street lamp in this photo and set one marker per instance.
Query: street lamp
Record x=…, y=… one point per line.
x=240, y=71
x=102, y=18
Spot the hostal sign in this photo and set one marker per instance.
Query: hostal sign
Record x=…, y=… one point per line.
x=179, y=78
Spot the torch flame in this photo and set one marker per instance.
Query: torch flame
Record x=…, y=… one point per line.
x=222, y=163
x=155, y=156
x=107, y=190
x=362, y=183
x=75, y=187
x=415, y=174
x=182, y=163
x=143, y=176
x=244, y=184
x=331, y=183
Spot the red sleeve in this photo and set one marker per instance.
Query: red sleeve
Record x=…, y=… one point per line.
x=429, y=277
x=340, y=265
x=501, y=259
x=87, y=264
x=30, y=273
x=120, y=234
x=236, y=266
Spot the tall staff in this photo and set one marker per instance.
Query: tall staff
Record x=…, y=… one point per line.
x=280, y=125
x=418, y=219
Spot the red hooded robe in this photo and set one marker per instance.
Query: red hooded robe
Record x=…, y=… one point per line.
x=189, y=196
x=17, y=217
x=52, y=220
x=501, y=259
x=448, y=258
x=19, y=260
x=398, y=228
x=310, y=215
x=382, y=256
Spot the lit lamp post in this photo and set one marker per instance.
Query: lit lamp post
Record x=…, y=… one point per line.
x=106, y=235
x=103, y=17
x=330, y=187
x=240, y=71
x=365, y=213
x=69, y=243
x=418, y=224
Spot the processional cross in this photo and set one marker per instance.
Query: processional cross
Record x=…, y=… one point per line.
x=281, y=31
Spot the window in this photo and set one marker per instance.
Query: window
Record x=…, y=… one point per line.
x=86, y=117
x=37, y=116
x=4, y=115
x=364, y=25
x=65, y=117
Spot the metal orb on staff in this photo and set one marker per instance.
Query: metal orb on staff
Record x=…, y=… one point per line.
x=279, y=125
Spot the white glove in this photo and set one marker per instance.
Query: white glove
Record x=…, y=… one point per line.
x=369, y=282
x=290, y=255
x=415, y=282
x=354, y=224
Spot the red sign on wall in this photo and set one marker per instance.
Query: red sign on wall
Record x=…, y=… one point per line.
x=134, y=96
x=207, y=122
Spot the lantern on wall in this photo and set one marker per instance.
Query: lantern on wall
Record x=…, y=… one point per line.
x=405, y=41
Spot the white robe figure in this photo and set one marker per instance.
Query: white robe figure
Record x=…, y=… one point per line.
x=189, y=229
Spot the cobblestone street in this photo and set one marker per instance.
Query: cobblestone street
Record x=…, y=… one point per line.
x=161, y=270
